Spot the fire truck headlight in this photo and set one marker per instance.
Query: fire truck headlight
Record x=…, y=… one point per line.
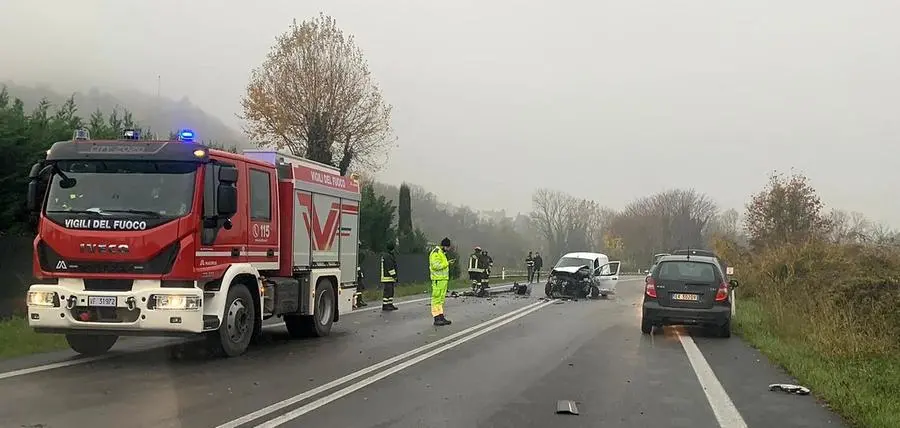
x=174, y=302
x=43, y=298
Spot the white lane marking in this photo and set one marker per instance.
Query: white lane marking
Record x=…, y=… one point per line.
x=30, y=370
x=340, y=381
x=79, y=361
x=722, y=406
x=293, y=414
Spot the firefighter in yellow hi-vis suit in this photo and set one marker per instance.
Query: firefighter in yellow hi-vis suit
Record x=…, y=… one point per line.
x=440, y=277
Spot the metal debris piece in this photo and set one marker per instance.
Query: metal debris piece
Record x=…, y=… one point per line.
x=566, y=407
x=788, y=388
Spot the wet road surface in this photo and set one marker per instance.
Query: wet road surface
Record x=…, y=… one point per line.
x=505, y=361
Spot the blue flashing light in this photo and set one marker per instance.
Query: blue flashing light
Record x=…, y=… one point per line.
x=186, y=136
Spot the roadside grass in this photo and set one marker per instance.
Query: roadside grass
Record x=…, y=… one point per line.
x=372, y=294
x=18, y=339
x=861, y=387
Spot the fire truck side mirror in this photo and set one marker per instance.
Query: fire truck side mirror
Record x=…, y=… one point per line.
x=226, y=194
x=228, y=174
x=33, y=199
x=33, y=203
x=226, y=200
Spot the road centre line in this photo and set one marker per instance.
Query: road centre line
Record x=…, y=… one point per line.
x=487, y=326
x=293, y=414
x=726, y=413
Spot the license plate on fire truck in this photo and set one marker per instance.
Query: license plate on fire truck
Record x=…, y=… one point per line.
x=104, y=301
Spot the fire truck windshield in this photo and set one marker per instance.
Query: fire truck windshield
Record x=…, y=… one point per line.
x=161, y=189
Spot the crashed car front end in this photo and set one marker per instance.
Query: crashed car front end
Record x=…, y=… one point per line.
x=569, y=282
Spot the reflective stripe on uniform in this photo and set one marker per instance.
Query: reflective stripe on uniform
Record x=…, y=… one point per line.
x=390, y=277
x=439, y=266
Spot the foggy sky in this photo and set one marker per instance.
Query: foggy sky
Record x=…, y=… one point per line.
x=608, y=100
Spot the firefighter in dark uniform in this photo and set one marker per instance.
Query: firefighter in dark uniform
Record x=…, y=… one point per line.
x=476, y=271
x=529, y=266
x=360, y=287
x=388, y=277
x=489, y=264
x=485, y=261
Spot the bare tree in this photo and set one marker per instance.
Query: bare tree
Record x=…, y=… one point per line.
x=314, y=95
x=851, y=227
x=662, y=222
x=549, y=215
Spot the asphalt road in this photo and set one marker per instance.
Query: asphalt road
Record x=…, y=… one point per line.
x=505, y=361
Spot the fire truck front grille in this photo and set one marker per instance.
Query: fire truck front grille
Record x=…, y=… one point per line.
x=108, y=284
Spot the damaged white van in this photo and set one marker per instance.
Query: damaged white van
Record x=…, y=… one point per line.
x=581, y=275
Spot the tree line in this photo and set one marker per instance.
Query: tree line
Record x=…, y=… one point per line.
x=686, y=218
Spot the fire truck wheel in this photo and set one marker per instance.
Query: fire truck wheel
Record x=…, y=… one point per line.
x=88, y=344
x=318, y=325
x=236, y=329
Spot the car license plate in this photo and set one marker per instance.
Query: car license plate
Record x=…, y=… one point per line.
x=687, y=297
x=106, y=301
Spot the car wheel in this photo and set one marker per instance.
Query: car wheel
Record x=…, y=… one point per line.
x=595, y=292
x=548, y=290
x=646, y=326
x=725, y=330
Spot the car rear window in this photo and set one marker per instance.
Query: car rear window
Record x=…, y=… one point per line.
x=687, y=271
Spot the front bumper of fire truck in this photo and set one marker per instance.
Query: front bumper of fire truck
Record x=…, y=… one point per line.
x=147, y=308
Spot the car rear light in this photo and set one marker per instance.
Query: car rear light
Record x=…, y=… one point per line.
x=722, y=292
x=650, y=288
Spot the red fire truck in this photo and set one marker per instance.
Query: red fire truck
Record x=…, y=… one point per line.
x=165, y=238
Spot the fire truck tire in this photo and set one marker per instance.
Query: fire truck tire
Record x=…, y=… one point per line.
x=236, y=330
x=319, y=324
x=91, y=344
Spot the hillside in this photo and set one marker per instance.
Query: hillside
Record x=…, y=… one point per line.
x=162, y=114
x=507, y=238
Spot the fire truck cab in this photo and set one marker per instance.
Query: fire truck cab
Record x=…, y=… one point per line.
x=172, y=238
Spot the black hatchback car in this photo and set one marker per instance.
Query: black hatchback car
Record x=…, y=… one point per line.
x=688, y=290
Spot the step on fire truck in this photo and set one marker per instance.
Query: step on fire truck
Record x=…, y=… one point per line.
x=172, y=238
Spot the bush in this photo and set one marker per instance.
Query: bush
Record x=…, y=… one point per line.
x=841, y=299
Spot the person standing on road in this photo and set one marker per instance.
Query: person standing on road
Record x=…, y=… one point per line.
x=388, y=278
x=360, y=287
x=490, y=262
x=439, y=267
x=476, y=269
x=529, y=266
x=538, y=264
x=485, y=261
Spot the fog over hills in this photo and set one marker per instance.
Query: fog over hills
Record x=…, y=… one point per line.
x=161, y=114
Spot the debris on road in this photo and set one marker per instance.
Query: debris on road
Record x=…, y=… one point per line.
x=788, y=388
x=566, y=407
x=520, y=289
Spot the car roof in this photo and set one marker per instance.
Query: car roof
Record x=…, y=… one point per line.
x=694, y=252
x=688, y=258
x=585, y=255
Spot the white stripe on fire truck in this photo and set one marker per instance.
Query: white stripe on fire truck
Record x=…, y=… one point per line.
x=228, y=254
